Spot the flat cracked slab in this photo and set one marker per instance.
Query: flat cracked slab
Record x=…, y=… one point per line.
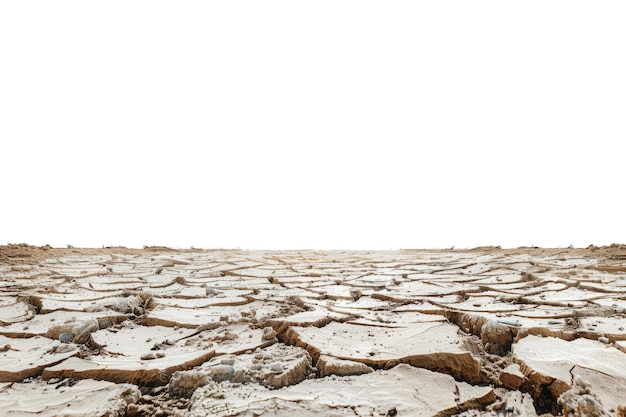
x=403, y=390
x=413, y=332
x=435, y=346
x=66, y=398
x=57, y=322
x=555, y=365
x=141, y=372
x=24, y=358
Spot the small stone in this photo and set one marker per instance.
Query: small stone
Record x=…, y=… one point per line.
x=148, y=356
x=603, y=339
x=66, y=337
x=510, y=322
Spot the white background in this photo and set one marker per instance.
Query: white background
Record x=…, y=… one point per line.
x=317, y=124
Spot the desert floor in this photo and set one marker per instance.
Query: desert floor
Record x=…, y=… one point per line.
x=162, y=332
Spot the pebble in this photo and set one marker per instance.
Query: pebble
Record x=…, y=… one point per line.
x=510, y=322
x=152, y=355
x=66, y=337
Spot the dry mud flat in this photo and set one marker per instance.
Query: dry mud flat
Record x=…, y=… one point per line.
x=161, y=332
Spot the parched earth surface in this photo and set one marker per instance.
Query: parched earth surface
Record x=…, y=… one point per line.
x=162, y=332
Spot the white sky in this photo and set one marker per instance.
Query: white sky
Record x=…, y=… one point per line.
x=317, y=124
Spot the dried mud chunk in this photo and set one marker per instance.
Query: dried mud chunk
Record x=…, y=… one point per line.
x=512, y=377
x=129, y=304
x=497, y=337
x=269, y=333
x=328, y=365
x=275, y=367
x=580, y=401
x=81, y=330
x=184, y=383
x=510, y=404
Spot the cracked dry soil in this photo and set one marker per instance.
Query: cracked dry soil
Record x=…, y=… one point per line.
x=163, y=332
